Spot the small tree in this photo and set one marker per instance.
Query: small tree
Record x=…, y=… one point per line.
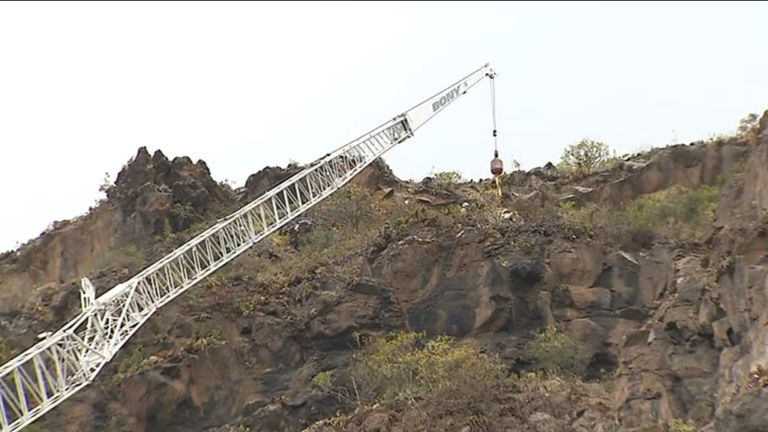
x=351, y=207
x=749, y=128
x=585, y=157
x=106, y=183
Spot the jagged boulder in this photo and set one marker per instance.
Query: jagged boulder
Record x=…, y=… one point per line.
x=548, y=172
x=377, y=175
x=153, y=193
x=268, y=178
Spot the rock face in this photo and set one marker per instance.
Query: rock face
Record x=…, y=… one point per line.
x=682, y=329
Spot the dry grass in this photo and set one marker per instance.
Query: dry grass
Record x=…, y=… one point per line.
x=129, y=257
x=6, y=353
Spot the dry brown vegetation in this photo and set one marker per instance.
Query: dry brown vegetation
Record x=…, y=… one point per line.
x=5, y=352
x=140, y=358
x=443, y=383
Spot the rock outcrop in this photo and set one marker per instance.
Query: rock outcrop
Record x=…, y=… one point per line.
x=151, y=197
x=155, y=195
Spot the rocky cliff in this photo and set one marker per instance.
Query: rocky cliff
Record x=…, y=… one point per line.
x=657, y=266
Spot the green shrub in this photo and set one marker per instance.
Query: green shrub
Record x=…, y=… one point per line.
x=6, y=353
x=553, y=351
x=405, y=364
x=131, y=363
x=676, y=214
x=318, y=239
x=678, y=425
x=448, y=177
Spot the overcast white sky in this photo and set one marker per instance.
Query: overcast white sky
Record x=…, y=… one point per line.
x=245, y=85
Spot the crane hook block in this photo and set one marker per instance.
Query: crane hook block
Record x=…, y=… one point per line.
x=497, y=166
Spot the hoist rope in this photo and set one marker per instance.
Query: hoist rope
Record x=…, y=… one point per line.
x=495, y=134
x=493, y=114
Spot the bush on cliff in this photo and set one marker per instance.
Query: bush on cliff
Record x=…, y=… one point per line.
x=585, y=157
x=441, y=378
x=676, y=214
x=555, y=352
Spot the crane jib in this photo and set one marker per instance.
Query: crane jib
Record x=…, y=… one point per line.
x=68, y=360
x=446, y=98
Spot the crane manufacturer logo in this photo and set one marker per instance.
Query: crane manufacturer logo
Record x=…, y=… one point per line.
x=447, y=98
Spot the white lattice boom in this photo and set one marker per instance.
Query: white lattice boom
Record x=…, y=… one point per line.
x=66, y=361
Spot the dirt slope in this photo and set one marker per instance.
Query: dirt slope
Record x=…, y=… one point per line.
x=671, y=315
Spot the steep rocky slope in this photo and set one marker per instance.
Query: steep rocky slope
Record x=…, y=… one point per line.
x=668, y=303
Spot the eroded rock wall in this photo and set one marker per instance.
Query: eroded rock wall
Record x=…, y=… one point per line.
x=682, y=329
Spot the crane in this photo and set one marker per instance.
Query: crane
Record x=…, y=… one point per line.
x=69, y=359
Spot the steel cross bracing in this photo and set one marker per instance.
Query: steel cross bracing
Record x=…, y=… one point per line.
x=68, y=360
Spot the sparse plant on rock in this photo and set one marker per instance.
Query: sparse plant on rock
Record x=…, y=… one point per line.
x=448, y=177
x=758, y=378
x=553, y=351
x=486, y=212
x=5, y=352
x=131, y=364
x=676, y=214
x=678, y=425
x=323, y=380
x=106, y=183
x=128, y=257
x=326, y=382
x=205, y=341
x=588, y=220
